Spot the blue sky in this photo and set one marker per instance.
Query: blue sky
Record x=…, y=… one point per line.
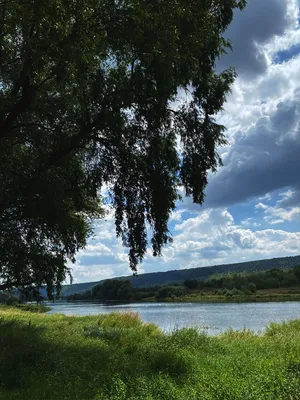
x=252, y=206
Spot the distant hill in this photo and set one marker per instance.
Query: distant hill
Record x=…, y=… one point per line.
x=78, y=288
x=179, y=276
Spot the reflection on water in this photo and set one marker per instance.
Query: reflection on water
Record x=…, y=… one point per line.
x=212, y=317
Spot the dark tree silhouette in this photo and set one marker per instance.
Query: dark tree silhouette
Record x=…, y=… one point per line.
x=89, y=96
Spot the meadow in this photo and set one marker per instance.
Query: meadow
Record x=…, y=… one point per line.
x=118, y=357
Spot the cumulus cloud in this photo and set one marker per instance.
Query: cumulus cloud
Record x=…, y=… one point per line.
x=250, y=222
x=261, y=206
x=176, y=215
x=263, y=112
x=253, y=31
x=213, y=237
x=277, y=215
x=263, y=157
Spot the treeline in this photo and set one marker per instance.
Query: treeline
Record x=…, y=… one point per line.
x=122, y=290
x=115, y=290
x=271, y=279
x=223, y=285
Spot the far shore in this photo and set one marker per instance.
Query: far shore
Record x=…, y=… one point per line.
x=197, y=298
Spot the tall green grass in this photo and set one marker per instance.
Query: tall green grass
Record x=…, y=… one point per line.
x=118, y=357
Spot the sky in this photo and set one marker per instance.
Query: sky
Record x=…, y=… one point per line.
x=252, y=205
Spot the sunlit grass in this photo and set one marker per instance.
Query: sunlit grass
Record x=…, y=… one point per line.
x=117, y=356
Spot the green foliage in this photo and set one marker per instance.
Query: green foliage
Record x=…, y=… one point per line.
x=34, y=308
x=87, y=92
x=122, y=290
x=170, y=292
x=297, y=273
x=250, y=282
x=191, y=284
x=117, y=356
x=113, y=289
x=8, y=299
x=12, y=300
x=252, y=287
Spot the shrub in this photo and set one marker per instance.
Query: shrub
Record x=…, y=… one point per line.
x=33, y=308
x=236, y=292
x=245, y=290
x=12, y=300
x=252, y=287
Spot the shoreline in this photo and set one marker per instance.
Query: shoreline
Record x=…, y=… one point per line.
x=260, y=298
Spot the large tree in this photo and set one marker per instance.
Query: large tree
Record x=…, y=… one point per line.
x=118, y=93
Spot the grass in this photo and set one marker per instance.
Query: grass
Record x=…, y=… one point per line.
x=118, y=357
x=33, y=308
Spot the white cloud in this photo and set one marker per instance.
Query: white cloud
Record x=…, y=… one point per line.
x=266, y=197
x=287, y=195
x=250, y=222
x=261, y=206
x=176, y=215
x=264, y=131
x=213, y=238
x=277, y=214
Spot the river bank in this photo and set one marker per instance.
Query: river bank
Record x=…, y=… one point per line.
x=262, y=296
x=266, y=295
x=118, y=357
x=210, y=297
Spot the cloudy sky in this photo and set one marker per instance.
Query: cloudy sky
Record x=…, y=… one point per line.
x=252, y=207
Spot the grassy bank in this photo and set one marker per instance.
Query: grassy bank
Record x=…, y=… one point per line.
x=261, y=296
x=117, y=357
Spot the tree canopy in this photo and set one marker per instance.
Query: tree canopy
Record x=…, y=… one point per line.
x=90, y=97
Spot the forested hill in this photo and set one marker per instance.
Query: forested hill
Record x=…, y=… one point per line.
x=179, y=276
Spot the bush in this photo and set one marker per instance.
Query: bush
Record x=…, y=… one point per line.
x=170, y=291
x=236, y=292
x=12, y=300
x=35, y=308
x=245, y=290
x=252, y=287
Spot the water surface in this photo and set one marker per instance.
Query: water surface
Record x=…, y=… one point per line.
x=213, y=317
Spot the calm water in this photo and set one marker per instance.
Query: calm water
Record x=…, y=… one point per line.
x=214, y=318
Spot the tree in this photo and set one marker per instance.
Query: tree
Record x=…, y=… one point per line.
x=297, y=272
x=252, y=287
x=191, y=284
x=89, y=97
x=125, y=291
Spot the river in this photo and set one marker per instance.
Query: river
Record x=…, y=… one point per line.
x=214, y=318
